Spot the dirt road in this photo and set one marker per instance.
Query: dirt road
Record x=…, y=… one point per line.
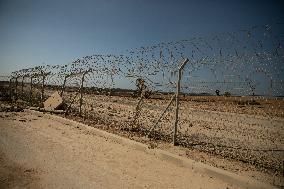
x=36, y=152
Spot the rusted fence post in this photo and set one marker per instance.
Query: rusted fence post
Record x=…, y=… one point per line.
x=177, y=101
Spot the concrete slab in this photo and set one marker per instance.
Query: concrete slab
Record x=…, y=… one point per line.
x=53, y=102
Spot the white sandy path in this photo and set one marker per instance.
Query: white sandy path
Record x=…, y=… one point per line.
x=67, y=157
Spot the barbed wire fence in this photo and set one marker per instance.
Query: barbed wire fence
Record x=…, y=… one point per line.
x=227, y=84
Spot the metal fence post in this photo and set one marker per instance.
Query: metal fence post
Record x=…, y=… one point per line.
x=64, y=84
x=31, y=90
x=139, y=106
x=177, y=101
x=16, y=89
x=162, y=114
x=23, y=78
x=42, y=86
x=10, y=87
x=81, y=93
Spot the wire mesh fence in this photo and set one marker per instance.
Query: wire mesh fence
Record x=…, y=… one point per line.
x=230, y=92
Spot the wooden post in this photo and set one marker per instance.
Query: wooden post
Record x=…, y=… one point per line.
x=177, y=101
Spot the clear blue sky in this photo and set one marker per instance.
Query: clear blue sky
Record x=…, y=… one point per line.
x=58, y=31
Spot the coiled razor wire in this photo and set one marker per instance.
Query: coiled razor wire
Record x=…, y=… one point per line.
x=227, y=73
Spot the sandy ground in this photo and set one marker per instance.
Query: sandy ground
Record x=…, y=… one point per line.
x=252, y=138
x=220, y=131
x=36, y=152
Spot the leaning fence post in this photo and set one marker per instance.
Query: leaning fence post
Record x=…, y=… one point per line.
x=162, y=114
x=177, y=101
